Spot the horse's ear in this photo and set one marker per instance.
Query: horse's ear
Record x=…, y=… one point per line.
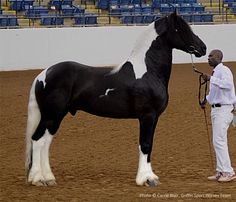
x=174, y=15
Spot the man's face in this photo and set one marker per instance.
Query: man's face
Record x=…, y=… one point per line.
x=213, y=59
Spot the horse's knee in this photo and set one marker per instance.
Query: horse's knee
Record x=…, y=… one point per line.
x=145, y=148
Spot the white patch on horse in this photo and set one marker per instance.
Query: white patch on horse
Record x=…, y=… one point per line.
x=42, y=77
x=41, y=170
x=144, y=170
x=107, y=91
x=138, y=54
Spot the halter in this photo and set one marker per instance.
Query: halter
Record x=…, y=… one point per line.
x=201, y=83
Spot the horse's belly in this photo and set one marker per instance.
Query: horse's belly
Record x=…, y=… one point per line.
x=113, y=107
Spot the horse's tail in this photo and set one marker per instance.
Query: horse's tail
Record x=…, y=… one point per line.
x=34, y=117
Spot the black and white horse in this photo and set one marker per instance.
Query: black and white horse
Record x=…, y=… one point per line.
x=138, y=88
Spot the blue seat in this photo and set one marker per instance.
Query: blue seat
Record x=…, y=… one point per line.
x=197, y=17
x=156, y=3
x=91, y=20
x=180, y=1
x=165, y=8
x=207, y=17
x=136, y=1
x=78, y=10
x=17, y=5
x=137, y=9
x=36, y=11
x=114, y=2
x=55, y=3
x=67, y=2
x=27, y=3
x=46, y=20
x=186, y=8
x=138, y=19
x=79, y=20
x=0, y=11
x=58, y=20
x=103, y=4
x=126, y=8
x=3, y=21
x=124, y=2
x=175, y=7
x=197, y=7
x=12, y=21
x=115, y=10
x=148, y=18
x=146, y=9
x=190, y=1
x=127, y=19
x=187, y=17
x=67, y=10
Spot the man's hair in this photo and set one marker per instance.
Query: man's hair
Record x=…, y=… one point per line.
x=218, y=53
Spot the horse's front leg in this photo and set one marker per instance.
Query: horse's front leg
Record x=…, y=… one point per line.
x=145, y=175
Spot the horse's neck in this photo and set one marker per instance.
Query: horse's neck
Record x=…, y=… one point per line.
x=138, y=54
x=146, y=58
x=159, y=61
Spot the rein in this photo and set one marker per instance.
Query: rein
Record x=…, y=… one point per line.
x=201, y=84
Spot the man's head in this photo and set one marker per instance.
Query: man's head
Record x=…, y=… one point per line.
x=215, y=57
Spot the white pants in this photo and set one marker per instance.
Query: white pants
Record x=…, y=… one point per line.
x=221, y=117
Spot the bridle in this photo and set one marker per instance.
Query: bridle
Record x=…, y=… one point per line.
x=202, y=83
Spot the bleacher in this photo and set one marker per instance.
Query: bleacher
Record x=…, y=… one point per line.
x=93, y=12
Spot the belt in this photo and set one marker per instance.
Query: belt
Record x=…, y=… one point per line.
x=216, y=105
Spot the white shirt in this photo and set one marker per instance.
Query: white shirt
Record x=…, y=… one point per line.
x=222, y=89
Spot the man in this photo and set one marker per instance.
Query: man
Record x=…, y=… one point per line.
x=222, y=99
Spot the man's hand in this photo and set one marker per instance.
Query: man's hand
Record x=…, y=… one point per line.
x=206, y=77
x=203, y=104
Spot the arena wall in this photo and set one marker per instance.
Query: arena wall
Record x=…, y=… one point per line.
x=99, y=46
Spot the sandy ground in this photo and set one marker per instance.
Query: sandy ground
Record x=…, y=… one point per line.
x=95, y=159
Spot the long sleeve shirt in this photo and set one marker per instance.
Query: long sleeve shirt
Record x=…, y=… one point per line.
x=222, y=90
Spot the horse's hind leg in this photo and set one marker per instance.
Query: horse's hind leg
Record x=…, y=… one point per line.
x=45, y=165
x=40, y=173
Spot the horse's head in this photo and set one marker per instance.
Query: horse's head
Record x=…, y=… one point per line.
x=180, y=35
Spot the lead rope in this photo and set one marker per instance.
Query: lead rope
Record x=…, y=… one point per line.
x=201, y=83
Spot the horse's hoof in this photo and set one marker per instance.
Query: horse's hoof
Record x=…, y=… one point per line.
x=39, y=183
x=51, y=183
x=152, y=183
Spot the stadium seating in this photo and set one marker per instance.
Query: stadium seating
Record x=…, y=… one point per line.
x=19, y=5
x=51, y=20
x=88, y=19
x=123, y=11
x=67, y=10
x=8, y=21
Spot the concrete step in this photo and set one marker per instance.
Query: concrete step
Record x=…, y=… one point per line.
x=233, y=21
x=68, y=22
x=103, y=20
x=211, y=5
x=219, y=17
x=92, y=10
x=8, y=12
x=5, y=8
x=206, y=1
x=214, y=9
x=23, y=22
